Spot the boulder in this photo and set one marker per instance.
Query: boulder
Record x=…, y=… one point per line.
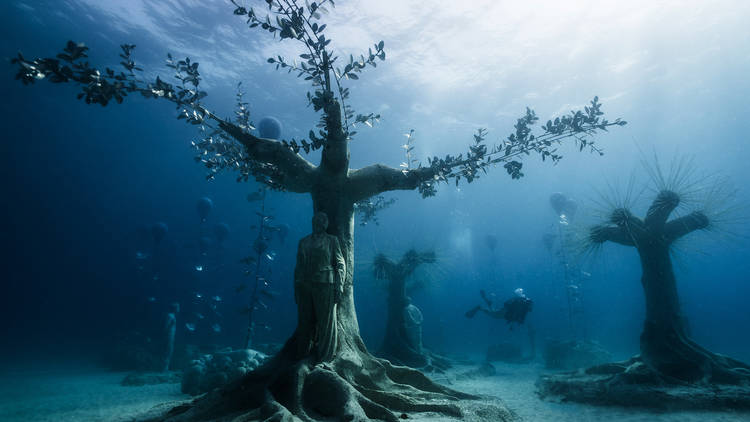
x=215, y=370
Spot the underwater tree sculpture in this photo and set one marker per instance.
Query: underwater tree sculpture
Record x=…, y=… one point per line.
x=668, y=355
x=402, y=343
x=355, y=384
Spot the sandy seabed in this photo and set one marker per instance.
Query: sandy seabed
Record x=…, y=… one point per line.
x=515, y=385
x=65, y=395
x=96, y=395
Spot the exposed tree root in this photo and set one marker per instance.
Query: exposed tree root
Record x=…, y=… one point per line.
x=425, y=360
x=355, y=386
x=725, y=384
x=674, y=355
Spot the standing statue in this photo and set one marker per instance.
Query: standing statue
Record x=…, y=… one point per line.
x=318, y=285
x=413, y=326
x=170, y=327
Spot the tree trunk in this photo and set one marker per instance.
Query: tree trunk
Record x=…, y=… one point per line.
x=353, y=386
x=665, y=345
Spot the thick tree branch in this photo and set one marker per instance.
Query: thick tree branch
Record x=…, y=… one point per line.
x=378, y=178
x=601, y=234
x=658, y=213
x=413, y=259
x=296, y=173
x=679, y=227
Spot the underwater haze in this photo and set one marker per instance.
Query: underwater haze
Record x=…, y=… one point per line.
x=105, y=225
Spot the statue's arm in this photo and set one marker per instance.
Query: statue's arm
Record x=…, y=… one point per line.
x=297, y=174
x=338, y=261
x=601, y=234
x=679, y=227
x=372, y=180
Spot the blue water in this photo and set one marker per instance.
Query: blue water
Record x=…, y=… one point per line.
x=79, y=182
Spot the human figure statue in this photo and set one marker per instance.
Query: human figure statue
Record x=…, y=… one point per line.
x=318, y=285
x=170, y=327
x=413, y=325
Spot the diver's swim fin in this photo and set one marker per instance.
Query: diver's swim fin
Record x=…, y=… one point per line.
x=472, y=312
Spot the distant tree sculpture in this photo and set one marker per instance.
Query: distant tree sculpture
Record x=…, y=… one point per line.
x=402, y=343
x=668, y=355
x=355, y=385
x=665, y=346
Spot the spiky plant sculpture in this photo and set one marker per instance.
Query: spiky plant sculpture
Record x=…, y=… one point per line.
x=355, y=385
x=398, y=346
x=668, y=355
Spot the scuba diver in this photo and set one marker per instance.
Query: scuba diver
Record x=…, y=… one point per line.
x=514, y=310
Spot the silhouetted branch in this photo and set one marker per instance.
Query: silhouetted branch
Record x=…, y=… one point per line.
x=601, y=234
x=658, y=213
x=679, y=227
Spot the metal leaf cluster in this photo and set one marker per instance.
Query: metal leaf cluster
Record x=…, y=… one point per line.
x=408, y=147
x=102, y=87
x=544, y=142
x=368, y=209
x=216, y=150
x=292, y=20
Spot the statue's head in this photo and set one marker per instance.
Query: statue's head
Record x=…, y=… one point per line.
x=319, y=222
x=175, y=307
